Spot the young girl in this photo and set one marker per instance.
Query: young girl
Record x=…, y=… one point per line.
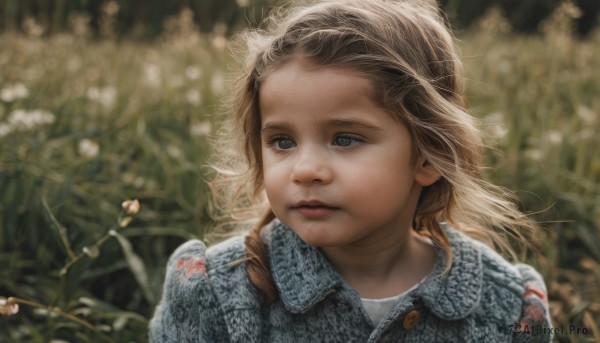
x=362, y=170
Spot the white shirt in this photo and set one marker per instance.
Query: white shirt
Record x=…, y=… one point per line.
x=377, y=309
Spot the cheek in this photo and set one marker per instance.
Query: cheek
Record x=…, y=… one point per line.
x=266, y=165
x=273, y=177
x=370, y=187
x=377, y=183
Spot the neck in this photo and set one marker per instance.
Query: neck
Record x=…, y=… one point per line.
x=385, y=268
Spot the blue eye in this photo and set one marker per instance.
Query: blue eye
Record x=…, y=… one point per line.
x=282, y=143
x=346, y=140
x=285, y=143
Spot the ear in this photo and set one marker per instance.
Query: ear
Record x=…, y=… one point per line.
x=425, y=173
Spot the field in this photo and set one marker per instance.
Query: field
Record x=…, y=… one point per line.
x=87, y=124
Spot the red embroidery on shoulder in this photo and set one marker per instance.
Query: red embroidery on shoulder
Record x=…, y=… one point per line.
x=532, y=289
x=190, y=266
x=534, y=312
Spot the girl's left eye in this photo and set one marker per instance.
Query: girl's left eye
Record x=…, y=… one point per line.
x=346, y=140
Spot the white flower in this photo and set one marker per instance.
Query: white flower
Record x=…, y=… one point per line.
x=92, y=251
x=495, y=118
x=586, y=114
x=42, y=117
x=23, y=119
x=497, y=130
x=553, y=137
x=139, y=182
x=8, y=307
x=496, y=127
x=193, y=73
x=88, y=148
x=18, y=117
x=5, y=129
x=105, y=96
x=93, y=93
x=14, y=92
x=534, y=154
x=203, y=128
x=109, y=94
x=20, y=91
x=219, y=42
x=174, y=151
x=152, y=75
x=194, y=97
x=131, y=207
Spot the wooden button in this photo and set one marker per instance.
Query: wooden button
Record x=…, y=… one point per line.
x=411, y=320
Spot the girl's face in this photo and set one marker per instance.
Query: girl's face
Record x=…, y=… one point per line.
x=337, y=168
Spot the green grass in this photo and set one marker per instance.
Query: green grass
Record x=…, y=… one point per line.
x=129, y=120
x=538, y=99
x=126, y=121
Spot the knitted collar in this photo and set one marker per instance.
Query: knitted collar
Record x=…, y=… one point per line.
x=304, y=277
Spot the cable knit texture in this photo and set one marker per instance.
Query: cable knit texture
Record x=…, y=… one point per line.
x=482, y=299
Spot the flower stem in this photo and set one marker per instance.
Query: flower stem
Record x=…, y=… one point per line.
x=74, y=260
x=54, y=310
x=62, y=231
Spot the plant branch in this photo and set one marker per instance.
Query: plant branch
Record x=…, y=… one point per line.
x=54, y=310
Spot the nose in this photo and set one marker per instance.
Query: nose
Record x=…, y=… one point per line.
x=311, y=167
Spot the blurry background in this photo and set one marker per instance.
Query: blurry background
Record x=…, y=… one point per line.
x=103, y=101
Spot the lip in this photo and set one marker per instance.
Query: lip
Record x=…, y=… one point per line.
x=314, y=209
x=312, y=203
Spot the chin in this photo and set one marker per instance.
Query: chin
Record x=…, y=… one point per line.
x=319, y=240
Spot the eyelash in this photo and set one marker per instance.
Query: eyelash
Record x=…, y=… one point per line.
x=353, y=138
x=273, y=141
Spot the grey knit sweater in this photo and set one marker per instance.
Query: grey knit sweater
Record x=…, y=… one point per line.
x=482, y=299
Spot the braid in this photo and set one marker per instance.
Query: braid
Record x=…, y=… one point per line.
x=257, y=261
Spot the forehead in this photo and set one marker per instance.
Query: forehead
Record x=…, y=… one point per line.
x=299, y=81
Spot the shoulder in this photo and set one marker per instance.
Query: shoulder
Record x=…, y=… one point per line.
x=478, y=282
x=189, y=308
x=228, y=276
x=521, y=279
x=535, y=312
x=496, y=271
x=226, y=252
x=193, y=261
x=216, y=273
x=513, y=295
x=187, y=274
x=474, y=257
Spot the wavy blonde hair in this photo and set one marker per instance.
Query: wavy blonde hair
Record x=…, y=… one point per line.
x=405, y=49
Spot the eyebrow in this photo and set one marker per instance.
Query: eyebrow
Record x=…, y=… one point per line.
x=275, y=126
x=352, y=124
x=333, y=123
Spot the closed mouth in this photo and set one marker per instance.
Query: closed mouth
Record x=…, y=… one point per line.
x=314, y=210
x=313, y=204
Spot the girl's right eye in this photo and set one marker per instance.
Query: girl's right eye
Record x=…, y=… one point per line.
x=282, y=143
